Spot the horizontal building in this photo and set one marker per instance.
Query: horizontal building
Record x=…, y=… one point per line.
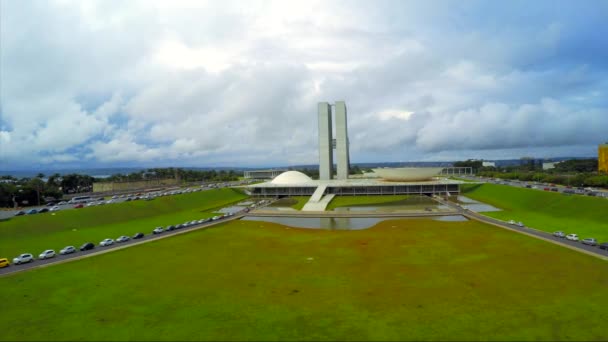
x=262, y=174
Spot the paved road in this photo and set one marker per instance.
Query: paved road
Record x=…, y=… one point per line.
x=98, y=250
x=4, y=214
x=539, y=186
x=578, y=246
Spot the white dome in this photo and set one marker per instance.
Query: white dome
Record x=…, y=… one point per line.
x=291, y=177
x=408, y=173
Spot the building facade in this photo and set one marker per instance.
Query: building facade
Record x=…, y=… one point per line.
x=327, y=143
x=602, y=157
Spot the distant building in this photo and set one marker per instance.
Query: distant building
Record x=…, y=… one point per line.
x=488, y=164
x=602, y=157
x=549, y=165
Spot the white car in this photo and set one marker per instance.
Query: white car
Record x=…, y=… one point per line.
x=106, y=242
x=572, y=237
x=158, y=230
x=23, y=258
x=123, y=239
x=49, y=253
x=110, y=201
x=62, y=203
x=114, y=197
x=511, y=222
x=55, y=208
x=520, y=224
x=67, y=250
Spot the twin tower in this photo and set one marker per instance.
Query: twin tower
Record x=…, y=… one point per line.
x=327, y=143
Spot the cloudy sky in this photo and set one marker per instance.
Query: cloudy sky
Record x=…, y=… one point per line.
x=236, y=83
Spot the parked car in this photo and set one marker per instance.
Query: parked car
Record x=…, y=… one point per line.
x=589, y=241
x=23, y=258
x=138, y=235
x=572, y=237
x=87, y=246
x=78, y=206
x=20, y=213
x=520, y=224
x=170, y=228
x=193, y=222
x=4, y=263
x=49, y=253
x=43, y=210
x=512, y=222
x=554, y=189
x=55, y=208
x=604, y=245
x=32, y=212
x=123, y=238
x=67, y=250
x=215, y=218
x=106, y=242
x=559, y=234
x=158, y=230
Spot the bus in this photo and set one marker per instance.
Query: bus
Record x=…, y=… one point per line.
x=80, y=199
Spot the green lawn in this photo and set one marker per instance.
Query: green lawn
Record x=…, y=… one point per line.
x=246, y=280
x=544, y=210
x=35, y=233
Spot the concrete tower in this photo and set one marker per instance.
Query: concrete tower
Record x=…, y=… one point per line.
x=326, y=161
x=342, y=141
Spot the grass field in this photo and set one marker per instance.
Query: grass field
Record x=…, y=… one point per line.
x=296, y=202
x=246, y=280
x=544, y=210
x=35, y=233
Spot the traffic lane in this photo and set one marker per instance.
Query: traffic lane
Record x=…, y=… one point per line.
x=147, y=236
x=4, y=214
x=539, y=233
x=549, y=236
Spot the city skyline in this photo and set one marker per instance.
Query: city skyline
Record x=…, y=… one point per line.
x=153, y=83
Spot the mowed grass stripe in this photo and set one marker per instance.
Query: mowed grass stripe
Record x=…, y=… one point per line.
x=548, y=211
x=35, y=233
x=245, y=280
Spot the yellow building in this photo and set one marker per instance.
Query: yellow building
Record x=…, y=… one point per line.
x=602, y=157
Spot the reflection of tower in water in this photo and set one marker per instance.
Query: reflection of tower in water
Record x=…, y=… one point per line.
x=335, y=223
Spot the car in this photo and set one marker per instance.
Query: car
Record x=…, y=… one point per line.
x=78, y=206
x=67, y=250
x=106, y=242
x=50, y=204
x=592, y=193
x=123, y=238
x=604, y=245
x=512, y=222
x=546, y=189
x=158, y=230
x=23, y=258
x=520, y=224
x=4, y=263
x=109, y=201
x=589, y=241
x=138, y=235
x=215, y=218
x=572, y=237
x=114, y=197
x=87, y=246
x=43, y=210
x=32, y=212
x=193, y=222
x=170, y=228
x=49, y=253
x=559, y=234
x=20, y=213
x=62, y=203
x=129, y=199
x=55, y=208
x=201, y=221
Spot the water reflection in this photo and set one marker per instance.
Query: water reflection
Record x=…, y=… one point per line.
x=330, y=223
x=340, y=223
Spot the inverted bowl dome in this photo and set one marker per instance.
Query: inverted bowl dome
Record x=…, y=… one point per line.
x=407, y=173
x=291, y=177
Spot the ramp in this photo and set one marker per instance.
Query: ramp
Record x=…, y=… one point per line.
x=316, y=196
x=320, y=205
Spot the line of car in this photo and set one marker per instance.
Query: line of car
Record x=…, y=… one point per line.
x=585, y=241
x=25, y=258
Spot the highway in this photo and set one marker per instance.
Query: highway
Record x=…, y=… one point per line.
x=4, y=214
x=575, y=245
x=534, y=185
x=148, y=236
